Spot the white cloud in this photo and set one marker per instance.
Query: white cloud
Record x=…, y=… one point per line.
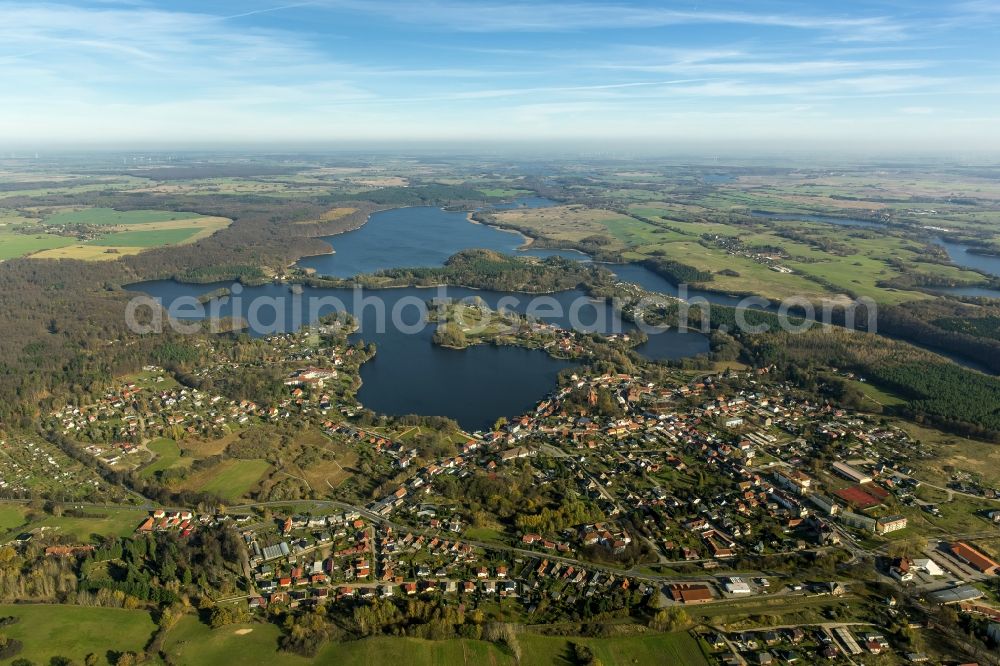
x=547, y=16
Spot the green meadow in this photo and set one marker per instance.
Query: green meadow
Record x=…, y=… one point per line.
x=191, y=643
x=111, y=217
x=17, y=245
x=48, y=631
x=167, y=454
x=232, y=479
x=152, y=238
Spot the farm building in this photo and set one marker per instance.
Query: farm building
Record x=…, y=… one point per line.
x=975, y=558
x=850, y=473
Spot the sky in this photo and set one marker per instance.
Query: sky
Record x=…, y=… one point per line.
x=903, y=75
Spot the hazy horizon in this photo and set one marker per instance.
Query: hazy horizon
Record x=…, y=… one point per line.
x=876, y=78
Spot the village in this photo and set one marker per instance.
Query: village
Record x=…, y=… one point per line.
x=682, y=486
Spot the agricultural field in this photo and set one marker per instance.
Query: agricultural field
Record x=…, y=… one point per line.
x=115, y=218
x=819, y=260
x=133, y=232
x=48, y=631
x=567, y=223
x=18, y=245
x=128, y=232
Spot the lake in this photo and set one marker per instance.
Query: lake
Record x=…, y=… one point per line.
x=982, y=292
x=419, y=237
x=823, y=219
x=960, y=255
x=409, y=373
x=652, y=281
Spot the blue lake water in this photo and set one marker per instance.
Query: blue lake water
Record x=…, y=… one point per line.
x=651, y=281
x=409, y=373
x=982, y=292
x=823, y=219
x=961, y=256
x=418, y=237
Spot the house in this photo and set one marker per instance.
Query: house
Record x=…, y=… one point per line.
x=900, y=569
x=888, y=524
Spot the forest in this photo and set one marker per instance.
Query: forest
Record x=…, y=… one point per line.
x=935, y=390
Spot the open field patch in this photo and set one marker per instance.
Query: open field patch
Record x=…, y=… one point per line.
x=12, y=516
x=105, y=522
x=88, y=252
x=230, y=479
x=337, y=213
x=167, y=452
x=146, y=239
x=676, y=648
x=48, y=631
x=111, y=217
x=127, y=238
x=18, y=245
x=564, y=223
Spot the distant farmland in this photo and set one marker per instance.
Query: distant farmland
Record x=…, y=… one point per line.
x=18, y=245
x=111, y=217
x=152, y=238
x=129, y=232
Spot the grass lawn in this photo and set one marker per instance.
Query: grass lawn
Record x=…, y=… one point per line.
x=167, y=454
x=678, y=648
x=17, y=245
x=154, y=238
x=191, y=643
x=109, y=216
x=11, y=516
x=415, y=652
x=106, y=522
x=232, y=479
x=75, y=631
x=484, y=534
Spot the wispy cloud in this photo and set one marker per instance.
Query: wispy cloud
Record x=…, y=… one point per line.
x=374, y=68
x=548, y=16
